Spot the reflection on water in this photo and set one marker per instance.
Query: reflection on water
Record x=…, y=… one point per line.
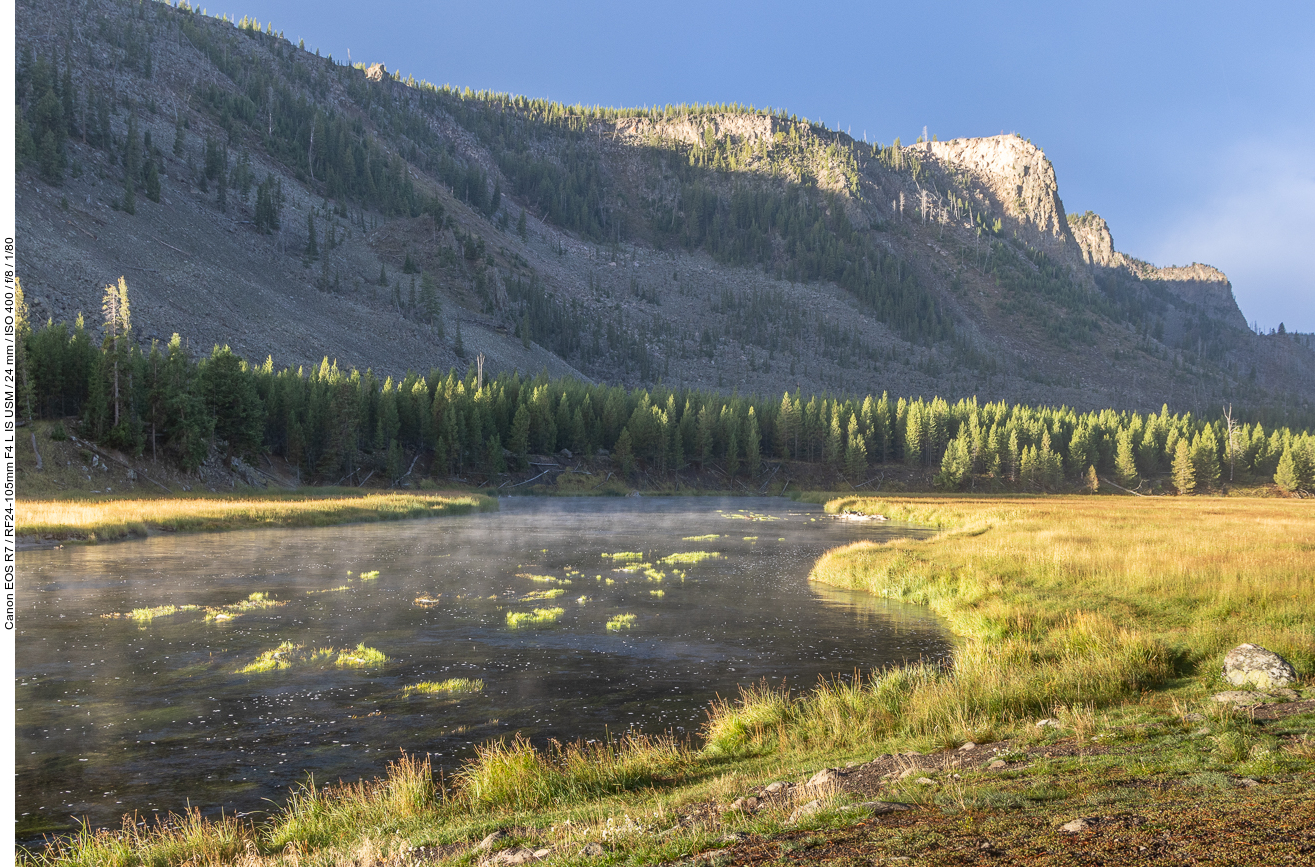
x=117, y=714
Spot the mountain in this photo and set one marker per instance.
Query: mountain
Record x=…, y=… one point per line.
x=309, y=208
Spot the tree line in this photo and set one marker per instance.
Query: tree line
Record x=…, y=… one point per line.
x=336, y=424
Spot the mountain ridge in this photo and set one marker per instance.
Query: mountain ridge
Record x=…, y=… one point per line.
x=727, y=249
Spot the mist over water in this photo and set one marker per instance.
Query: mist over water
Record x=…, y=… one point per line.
x=116, y=716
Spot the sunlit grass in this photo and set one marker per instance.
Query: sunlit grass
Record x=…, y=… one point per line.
x=623, y=556
x=338, y=589
x=451, y=686
x=254, y=602
x=361, y=657
x=287, y=655
x=369, y=576
x=536, y=595
x=543, y=579
x=1076, y=601
x=146, y=615
x=707, y=538
x=107, y=519
x=621, y=621
x=657, y=593
x=537, y=617
x=690, y=558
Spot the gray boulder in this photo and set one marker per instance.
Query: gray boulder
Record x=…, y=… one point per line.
x=1252, y=665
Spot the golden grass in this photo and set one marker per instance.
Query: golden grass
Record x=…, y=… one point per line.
x=538, y=595
x=620, y=621
x=538, y=617
x=453, y=685
x=689, y=557
x=1057, y=602
x=102, y=519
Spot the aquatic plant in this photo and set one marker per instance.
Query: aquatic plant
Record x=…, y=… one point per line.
x=338, y=589
x=427, y=601
x=361, y=657
x=689, y=558
x=658, y=593
x=536, y=595
x=708, y=538
x=146, y=615
x=582, y=600
x=623, y=556
x=453, y=685
x=286, y=655
x=517, y=619
x=621, y=621
x=654, y=575
x=369, y=576
x=751, y=538
x=543, y=579
x=253, y=602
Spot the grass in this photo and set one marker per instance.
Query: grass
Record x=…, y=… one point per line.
x=1113, y=621
x=708, y=538
x=451, y=686
x=103, y=519
x=537, y=595
x=542, y=579
x=361, y=657
x=1055, y=602
x=254, y=602
x=620, y=621
x=689, y=558
x=146, y=615
x=292, y=655
x=623, y=556
x=369, y=576
x=537, y=617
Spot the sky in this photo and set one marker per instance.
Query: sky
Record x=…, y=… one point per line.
x=1189, y=126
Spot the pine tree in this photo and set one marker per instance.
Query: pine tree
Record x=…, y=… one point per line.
x=1093, y=483
x=118, y=328
x=312, y=248
x=752, y=444
x=625, y=454
x=956, y=464
x=1205, y=458
x=1125, y=466
x=520, y=226
x=152, y=181
x=1184, y=474
x=856, y=453
x=179, y=135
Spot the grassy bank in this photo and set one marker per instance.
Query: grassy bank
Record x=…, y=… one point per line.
x=102, y=519
x=1108, y=620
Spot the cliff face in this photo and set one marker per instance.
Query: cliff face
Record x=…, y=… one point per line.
x=1019, y=177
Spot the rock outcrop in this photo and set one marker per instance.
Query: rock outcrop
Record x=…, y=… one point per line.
x=1018, y=176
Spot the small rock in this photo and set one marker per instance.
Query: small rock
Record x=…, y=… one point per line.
x=1239, y=697
x=751, y=804
x=734, y=837
x=806, y=810
x=881, y=808
x=592, y=850
x=824, y=777
x=514, y=856
x=968, y=747
x=773, y=788
x=1049, y=724
x=543, y=853
x=925, y=781
x=1194, y=717
x=491, y=840
x=912, y=772
x=1248, y=782
x=1078, y=825
x=1289, y=694
x=1258, y=667
x=997, y=765
x=565, y=453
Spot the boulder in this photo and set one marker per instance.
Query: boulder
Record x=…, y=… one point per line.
x=881, y=808
x=1078, y=825
x=1252, y=665
x=824, y=777
x=1239, y=697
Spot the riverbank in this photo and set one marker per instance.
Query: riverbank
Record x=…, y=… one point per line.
x=1108, y=625
x=105, y=518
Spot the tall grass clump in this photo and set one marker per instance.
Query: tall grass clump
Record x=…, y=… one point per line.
x=512, y=776
x=451, y=686
x=538, y=617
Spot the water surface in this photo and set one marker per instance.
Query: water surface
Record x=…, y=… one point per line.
x=117, y=716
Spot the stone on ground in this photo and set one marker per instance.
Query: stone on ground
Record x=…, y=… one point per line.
x=1252, y=665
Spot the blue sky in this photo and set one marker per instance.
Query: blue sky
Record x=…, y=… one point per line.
x=1189, y=126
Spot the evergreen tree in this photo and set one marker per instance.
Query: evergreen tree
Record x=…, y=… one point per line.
x=1125, y=466
x=856, y=453
x=625, y=455
x=956, y=464
x=1184, y=473
x=752, y=444
x=520, y=226
x=312, y=248
x=231, y=399
x=1205, y=458
x=152, y=183
x=117, y=342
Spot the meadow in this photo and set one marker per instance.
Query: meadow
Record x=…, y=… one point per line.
x=105, y=518
x=1105, y=617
